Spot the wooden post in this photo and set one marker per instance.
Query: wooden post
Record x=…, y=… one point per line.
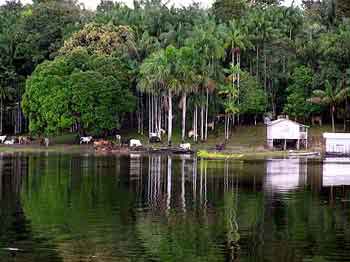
x=298, y=144
x=285, y=144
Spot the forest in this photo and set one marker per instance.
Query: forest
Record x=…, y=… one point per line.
x=158, y=68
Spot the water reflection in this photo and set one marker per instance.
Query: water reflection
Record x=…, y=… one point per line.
x=164, y=208
x=336, y=172
x=283, y=175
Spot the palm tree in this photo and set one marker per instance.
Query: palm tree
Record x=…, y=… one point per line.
x=236, y=40
x=207, y=42
x=330, y=97
x=230, y=94
x=158, y=73
x=186, y=70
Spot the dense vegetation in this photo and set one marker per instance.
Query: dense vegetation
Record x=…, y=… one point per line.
x=153, y=66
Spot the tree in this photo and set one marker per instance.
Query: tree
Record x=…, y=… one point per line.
x=253, y=97
x=80, y=89
x=225, y=10
x=330, y=97
x=102, y=40
x=189, y=79
x=298, y=92
x=158, y=73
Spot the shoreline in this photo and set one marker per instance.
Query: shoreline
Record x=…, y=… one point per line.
x=247, y=154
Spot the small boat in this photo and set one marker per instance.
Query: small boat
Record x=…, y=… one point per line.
x=294, y=153
x=172, y=150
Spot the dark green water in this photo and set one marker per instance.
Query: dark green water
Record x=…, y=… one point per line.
x=86, y=208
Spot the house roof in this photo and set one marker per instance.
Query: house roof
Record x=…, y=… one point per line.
x=336, y=135
x=283, y=120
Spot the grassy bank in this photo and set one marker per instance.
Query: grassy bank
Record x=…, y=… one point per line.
x=246, y=140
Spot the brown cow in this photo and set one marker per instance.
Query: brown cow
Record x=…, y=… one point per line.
x=317, y=119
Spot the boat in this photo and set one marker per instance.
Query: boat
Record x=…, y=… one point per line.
x=172, y=150
x=303, y=154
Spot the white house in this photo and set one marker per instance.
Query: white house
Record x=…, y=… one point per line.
x=284, y=132
x=337, y=143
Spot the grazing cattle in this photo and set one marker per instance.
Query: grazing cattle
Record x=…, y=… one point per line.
x=154, y=139
x=190, y=133
x=316, y=119
x=135, y=143
x=211, y=125
x=86, y=140
x=162, y=131
x=23, y=140
x=2, y=139
x=186, y=146
x=119, y=138
x=9, y=142
x=102, y=143
x=46, y=141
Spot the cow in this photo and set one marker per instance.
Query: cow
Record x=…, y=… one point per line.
x=119, y=138
x=162, y=131
x=46, y=141
x=186, y=146
x=2, y=139
x=154, y=138
x=9, y=142
x=211, y=125
x=24, y=140
x=135, y=143
x=86, y=140
x=317, y=119
x=191, y=133
x=102, y=143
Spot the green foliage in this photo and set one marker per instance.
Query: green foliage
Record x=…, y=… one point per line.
x=102, y=40
x=253, y=98
x=298, y=92
x=90, y=90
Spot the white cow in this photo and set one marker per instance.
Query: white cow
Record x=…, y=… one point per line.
x=186, y=146
x=154, y=135
x=135, y=143
x=9, y=142
x=190, y=133
x=2, y=139
x=86, y=140
x=162, y=131
x=119, y=138
x=47, y=141
x=211, y=125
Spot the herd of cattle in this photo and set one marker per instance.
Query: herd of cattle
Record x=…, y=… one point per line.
x=23, y=140
x=132, y=143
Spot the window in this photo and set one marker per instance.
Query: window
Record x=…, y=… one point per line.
x=302, y=129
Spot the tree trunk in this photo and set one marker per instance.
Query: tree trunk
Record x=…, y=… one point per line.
x=332, y=115
x=238, y=85
x=206, y=117
x=170, y=116
x=257, y=64
x=1, y=115
x=196, y=124
x=149, y=116
x=202, y=122
x=255, y=120
x=184, y=107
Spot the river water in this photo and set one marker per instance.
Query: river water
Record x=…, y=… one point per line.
x=62, y=207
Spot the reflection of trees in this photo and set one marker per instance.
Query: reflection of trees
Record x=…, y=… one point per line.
x=85, y=211
x=173, y=209
x=15, y=228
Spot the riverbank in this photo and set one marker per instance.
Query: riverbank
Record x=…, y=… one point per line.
x=246, y=142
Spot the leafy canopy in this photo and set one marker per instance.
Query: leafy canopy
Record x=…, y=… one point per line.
x=78, y=88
